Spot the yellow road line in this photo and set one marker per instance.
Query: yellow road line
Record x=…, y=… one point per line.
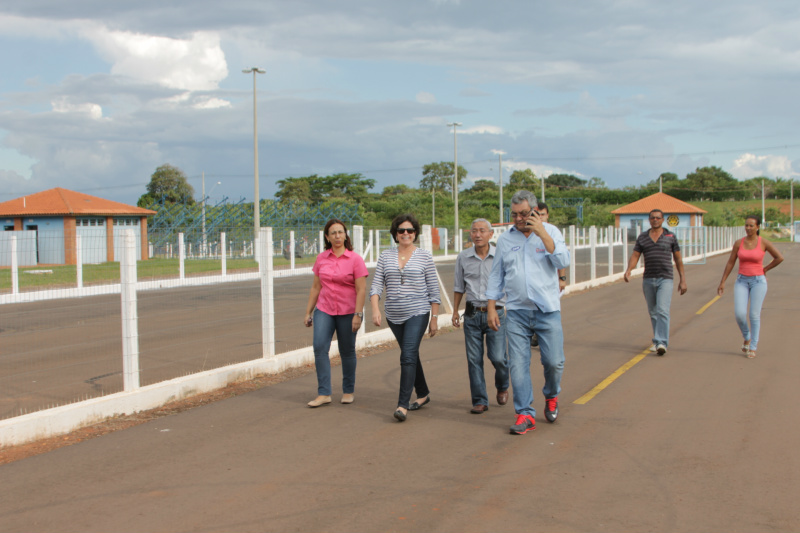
x=627, y=366
x=703, y=309
x=610, y=379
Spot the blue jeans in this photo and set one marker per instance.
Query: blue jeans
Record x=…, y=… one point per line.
x=521, y=324
x=476, y=328
x=409, y=336
x=754, y=289
x=324, y=326
x=658, y=295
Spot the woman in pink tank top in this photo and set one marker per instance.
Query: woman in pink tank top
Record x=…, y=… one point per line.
x=751, y=283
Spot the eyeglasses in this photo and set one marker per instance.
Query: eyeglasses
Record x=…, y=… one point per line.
x=480, y=230
x=401, y=231
x=337, y=232
x=524, y=214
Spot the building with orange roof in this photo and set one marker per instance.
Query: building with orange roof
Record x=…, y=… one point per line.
x=47, y=223
x=677, y=213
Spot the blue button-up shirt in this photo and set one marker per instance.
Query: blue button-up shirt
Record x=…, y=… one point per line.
x=526, y=272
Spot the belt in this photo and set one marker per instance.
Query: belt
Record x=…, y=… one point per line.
x=486, y=308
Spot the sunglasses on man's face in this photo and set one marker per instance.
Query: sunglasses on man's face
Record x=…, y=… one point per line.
x=400, y=231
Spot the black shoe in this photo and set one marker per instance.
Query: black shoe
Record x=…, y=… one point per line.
x=551, y=409
x=400, y=416
x=534, y=341
x=416, y=405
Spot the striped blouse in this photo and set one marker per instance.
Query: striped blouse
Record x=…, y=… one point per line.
x=409, y=292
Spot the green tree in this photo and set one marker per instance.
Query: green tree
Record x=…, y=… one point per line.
x=294, y=189
x=168, y=184
x=523, y=179
x=597, y=183
x=316, y=189
x=484, y=185
x=710, y=178
x=440, y=176
x=564, y=181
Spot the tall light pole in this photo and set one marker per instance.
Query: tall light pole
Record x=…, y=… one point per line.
x=457, y=233
x=500, y=168
x=256, y=206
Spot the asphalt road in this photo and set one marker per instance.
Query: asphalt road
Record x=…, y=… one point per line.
x=61, y=351
x=702, y=439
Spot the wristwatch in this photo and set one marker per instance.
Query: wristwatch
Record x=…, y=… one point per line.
x=360, y=315
x=562, y=278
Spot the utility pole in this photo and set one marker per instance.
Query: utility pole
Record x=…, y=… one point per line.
x=500, y=168
x=457, y=234
x=257, y=200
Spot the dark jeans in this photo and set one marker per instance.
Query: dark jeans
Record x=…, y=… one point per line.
x=476, y=329
x=324, y=326
x=409, y=336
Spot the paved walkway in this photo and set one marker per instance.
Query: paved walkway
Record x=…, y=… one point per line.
x=702, y=439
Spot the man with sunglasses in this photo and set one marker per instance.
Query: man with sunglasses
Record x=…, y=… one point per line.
x=525, y=269
x=473, y=267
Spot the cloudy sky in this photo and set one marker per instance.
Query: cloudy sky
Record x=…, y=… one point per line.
x=94, y=96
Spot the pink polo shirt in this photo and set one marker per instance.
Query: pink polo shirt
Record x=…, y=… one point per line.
x=338, y=276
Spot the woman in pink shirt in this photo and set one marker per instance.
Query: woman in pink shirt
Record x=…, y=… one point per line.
x=751, y=283
x=338, y=293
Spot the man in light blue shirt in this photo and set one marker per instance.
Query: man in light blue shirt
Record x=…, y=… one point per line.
x=525, y=270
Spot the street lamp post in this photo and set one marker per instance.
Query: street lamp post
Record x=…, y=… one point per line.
x=457, y=234
x=500, y=169
x=256, y=206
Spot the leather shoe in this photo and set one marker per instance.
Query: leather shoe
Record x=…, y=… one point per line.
x=400, y=416
x=348, y=398
x=416, y=405
x=502, y=397
x=319, y=400
x=478, y=409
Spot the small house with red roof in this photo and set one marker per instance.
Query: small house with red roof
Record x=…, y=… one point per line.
x=677, y=213
x=48, y=222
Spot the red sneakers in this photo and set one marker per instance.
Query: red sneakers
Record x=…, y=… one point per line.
x=551, y=409
x=525, y=423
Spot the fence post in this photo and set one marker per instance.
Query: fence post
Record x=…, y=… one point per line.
x=267, y=294
x=79, y=260
x=292, y=244
x=610, y=238
x=358, y=240
x=14, y=266
x=572, y=258
x=593, y=252
x=224, y=255
x=181, y=256
x=130, y=326
x=371, y=248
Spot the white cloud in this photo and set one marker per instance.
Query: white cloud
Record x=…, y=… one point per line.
x=196, y=63
x=492, y=130
x=772, y=166
x=425, y=98
x=62, y=105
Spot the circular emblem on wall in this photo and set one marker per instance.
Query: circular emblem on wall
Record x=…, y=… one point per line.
x=673, y=220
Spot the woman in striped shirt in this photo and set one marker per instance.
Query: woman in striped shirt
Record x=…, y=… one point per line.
x=408, y=276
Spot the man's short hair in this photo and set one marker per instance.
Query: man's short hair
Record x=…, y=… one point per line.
x=482, y=220
x=542, y=205
x=524, y=196
x=656, y=211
